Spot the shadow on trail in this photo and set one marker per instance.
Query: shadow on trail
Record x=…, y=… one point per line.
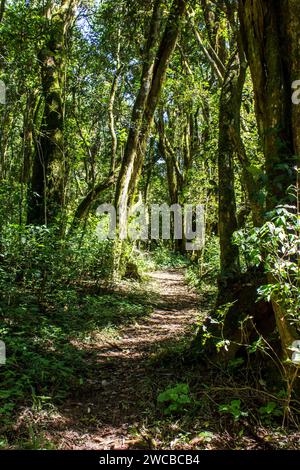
x=122, y=377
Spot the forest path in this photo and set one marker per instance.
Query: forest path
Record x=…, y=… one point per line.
x=123, y=379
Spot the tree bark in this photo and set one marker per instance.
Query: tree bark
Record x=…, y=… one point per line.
x=47, y=189
x=86, y=203
x=270, y=33
x=229, y=118
x=271, y=37
x=112, y=97
x=152, y=80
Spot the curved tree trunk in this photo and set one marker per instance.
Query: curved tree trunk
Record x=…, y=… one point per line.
x=84, y=207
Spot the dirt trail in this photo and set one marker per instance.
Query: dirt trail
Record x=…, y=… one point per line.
x=123, y=383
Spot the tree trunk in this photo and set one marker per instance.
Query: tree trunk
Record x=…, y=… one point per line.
x=83, y=208
x=270, y=33
x=47, y=189
x=229, y=118
x=271, y=36
x=152, y=80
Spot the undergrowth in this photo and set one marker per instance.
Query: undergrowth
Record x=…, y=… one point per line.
x=44, y=358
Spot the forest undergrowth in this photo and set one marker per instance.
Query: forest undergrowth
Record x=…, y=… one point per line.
x=71, y=350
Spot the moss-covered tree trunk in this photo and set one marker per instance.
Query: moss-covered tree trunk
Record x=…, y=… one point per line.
x=136, y=126
x=47, y=189
x=229, y=123
x=271, y=37
x=159, y=51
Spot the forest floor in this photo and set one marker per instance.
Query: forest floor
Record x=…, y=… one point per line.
x=123, y=380
x=127, y=365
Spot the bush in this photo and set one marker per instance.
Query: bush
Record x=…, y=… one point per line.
x=276, y=245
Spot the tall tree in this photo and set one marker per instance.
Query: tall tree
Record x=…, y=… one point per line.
x=157, y=56
x=270, y=33
x=229, y=117
x=47, y=191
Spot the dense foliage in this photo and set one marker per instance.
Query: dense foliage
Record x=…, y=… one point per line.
x=157, y=102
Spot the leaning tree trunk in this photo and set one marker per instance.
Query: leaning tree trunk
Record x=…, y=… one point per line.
x=153, y=77
x=134, y=136
x=158, y=54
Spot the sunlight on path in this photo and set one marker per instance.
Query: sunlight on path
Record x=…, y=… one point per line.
x=122, y=381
